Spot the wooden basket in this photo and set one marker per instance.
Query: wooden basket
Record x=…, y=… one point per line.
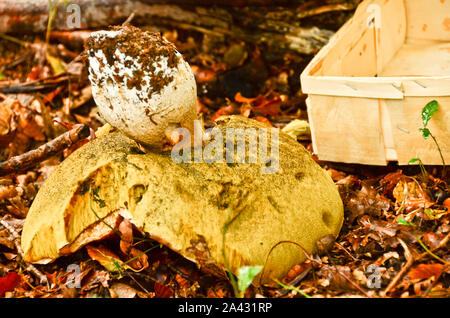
x=367, y=87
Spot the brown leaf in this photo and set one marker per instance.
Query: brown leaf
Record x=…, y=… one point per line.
x=336, y=277
x=424, y=271
x=203, y=75
x=7, y=192
x=139, y=260
x=432, y=239
x=411, y=195
x=105, y=257
x=269, y=108
x=93, y=278
x=261, y=104
x=446, y=203
x=28, y=123
x=366, y=201
x=126, y=237
x=52, y=278
x=336, y=175
x=182, y=282
x=219, y=290
x=380, y=226
x=7, y=121
x=162, y=291
x=325, y=243
x=263, y=120
x=241, y=99
x=390, y=180
x=230, y=109
x=201, y=108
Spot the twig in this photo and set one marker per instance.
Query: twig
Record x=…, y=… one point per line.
x=34, y=86
x=346, y=251
x=324, y=9
x=129, y=19
x=352, y=283
x=16, y=238
x=405, y=268
x=52, y=147
x=137, y=283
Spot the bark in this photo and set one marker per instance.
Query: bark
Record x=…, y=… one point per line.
x=276, y=24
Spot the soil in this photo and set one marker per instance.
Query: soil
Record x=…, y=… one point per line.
x=144, y=47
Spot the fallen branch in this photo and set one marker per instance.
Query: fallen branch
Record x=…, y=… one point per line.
x=29, y=159
x=35, y=86
x=257, y=22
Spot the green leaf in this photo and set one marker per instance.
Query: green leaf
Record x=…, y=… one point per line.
x=245, y=276
x=428, y=111
x=413, y=161
x=425, y=132
x=2, y=76
x=404, y=222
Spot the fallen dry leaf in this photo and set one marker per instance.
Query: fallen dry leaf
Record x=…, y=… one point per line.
x=9, y=282
x=446, y=203
x=120, y=290
x=366, y=201
x=264, y=120
x=411, y=196
x=8, y=119
x=106, y=258
x=424, y=271
x=261, y=104
x=126, y=237
x=162, y=291
x=182, y=282
x=138, y=260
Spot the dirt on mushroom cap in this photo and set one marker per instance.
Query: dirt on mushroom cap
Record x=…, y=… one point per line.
x=143, y=47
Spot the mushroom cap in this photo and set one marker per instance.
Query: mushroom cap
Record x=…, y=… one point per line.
x=141, y=84
x=270, y=218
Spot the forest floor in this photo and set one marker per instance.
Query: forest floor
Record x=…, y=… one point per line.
x=395, y=237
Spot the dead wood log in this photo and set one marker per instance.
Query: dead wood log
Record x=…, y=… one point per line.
x=276, y=24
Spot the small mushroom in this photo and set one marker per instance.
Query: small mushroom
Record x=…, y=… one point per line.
x=141, y=84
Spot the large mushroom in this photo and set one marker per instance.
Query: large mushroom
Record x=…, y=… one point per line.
x=271, y=219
